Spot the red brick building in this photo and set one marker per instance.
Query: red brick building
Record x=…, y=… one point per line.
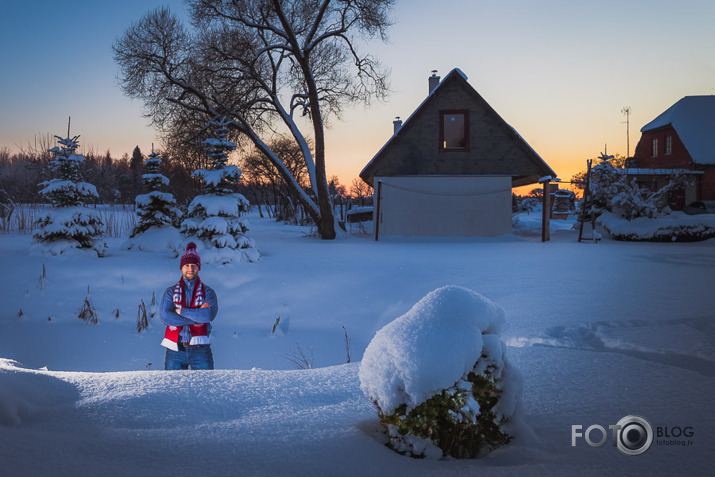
x=682, y=137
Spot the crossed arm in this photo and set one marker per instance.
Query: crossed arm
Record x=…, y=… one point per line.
x=171, y=315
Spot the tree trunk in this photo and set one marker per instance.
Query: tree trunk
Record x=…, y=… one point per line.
x=326, y=224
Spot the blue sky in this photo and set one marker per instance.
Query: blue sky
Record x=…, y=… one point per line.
x=558, y=71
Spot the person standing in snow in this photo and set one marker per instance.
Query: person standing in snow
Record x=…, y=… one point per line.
x=187, y=310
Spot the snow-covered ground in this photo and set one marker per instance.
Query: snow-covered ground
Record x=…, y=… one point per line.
x=598, y=331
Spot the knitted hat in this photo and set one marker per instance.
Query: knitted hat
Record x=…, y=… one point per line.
x=190, y=256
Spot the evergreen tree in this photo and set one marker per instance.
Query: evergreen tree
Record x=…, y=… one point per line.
x=135, y=165
x=70, y=223
x=215, y=216
x=155, y=209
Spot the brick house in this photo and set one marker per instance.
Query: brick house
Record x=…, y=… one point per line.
x=682, y=137
x=448, y=170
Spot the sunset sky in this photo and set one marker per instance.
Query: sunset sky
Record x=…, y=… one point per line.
x=558, y=71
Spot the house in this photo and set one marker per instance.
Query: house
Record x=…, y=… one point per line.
x=448, y=170
x=682, y=137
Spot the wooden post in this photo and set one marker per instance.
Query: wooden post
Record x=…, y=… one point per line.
x=376, y=210
x=585, y=199
x=546, y=214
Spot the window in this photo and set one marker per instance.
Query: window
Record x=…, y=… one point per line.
x=454, y=131
x=669, y=144
x=654, y=147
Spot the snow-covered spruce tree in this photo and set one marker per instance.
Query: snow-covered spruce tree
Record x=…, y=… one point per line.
x=69, y=224
x=215, y=216
x=156, y=210
x=604, y=186
x=440, y=378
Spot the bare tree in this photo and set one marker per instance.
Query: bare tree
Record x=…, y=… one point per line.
x=259, y=62
x=337, y=190
x=260, y=173
x=360, y=189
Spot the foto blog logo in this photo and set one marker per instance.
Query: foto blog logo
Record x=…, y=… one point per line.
x=633, y=435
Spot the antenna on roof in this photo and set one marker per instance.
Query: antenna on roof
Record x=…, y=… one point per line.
x=604, y=155
x=627, y=111
x=69, y=120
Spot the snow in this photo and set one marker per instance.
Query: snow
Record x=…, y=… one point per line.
x=598, y=331
x=448, y=334
x=639, y=171
x=158, y=178
x=144, y=200
x=360, y=210
x=528, y=224
x=429, y=348
x=215, y=177
x=220, y=143
x=57, y=185
x=157, y=239
x=643, y=228
x=228, y=205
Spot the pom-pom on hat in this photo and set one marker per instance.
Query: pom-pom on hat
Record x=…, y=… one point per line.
x=190, y=256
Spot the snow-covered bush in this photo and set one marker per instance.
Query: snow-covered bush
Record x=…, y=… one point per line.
x=69, y=224
x=531, y=204
x=156, y=211
x=215, y=216
x=633, y=201
x=677, y=227
x=440, y=378
x=612, y=191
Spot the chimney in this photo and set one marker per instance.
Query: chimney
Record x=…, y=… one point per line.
x=397, y=123
x=433, y=81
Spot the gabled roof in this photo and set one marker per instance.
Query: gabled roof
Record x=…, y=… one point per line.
x=525, y=165
x=693, y=118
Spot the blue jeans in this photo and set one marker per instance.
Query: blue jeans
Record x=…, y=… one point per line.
x=196, y=356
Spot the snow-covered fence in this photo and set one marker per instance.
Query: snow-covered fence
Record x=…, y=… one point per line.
x=343, y=205
x=119, y=219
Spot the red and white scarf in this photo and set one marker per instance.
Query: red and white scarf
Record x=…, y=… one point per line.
x=195, y=334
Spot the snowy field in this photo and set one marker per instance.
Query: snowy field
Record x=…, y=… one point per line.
x=598, y=331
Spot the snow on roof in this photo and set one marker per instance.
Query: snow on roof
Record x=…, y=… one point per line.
x=693, y=118
x=459, y=72
x=635, y=171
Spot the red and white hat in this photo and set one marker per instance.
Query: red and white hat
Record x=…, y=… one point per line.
x=190, y=256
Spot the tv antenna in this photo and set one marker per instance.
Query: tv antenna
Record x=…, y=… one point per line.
x=627, y=112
